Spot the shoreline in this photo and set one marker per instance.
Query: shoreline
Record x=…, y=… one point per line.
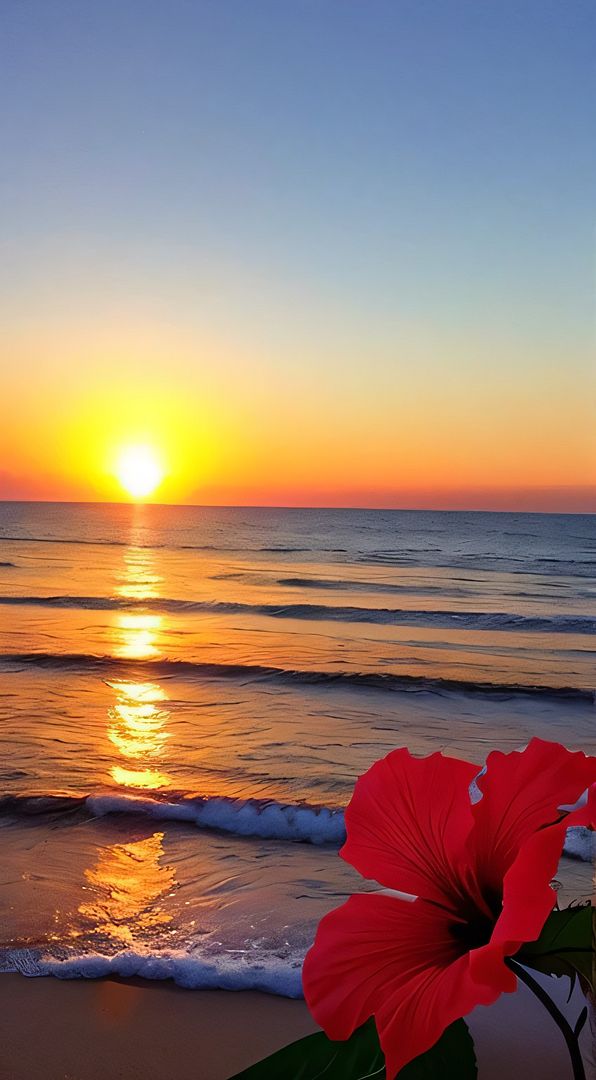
x=53, y=1029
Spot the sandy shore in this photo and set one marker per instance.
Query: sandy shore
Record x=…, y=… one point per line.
x=110, y=1030
x=107, y=1030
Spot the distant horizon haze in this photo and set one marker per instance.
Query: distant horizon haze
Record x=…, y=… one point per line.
x=571, y=501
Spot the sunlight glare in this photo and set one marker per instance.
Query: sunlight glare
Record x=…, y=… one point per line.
x=139, y=471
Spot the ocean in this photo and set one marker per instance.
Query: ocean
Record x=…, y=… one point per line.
x=188, y=694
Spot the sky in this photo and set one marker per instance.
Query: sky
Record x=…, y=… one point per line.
x=308, y=252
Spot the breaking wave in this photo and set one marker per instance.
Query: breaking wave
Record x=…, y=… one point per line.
x=258, y=971
x=266, y=819
x=263, y=818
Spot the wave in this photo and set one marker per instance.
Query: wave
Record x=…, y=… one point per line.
x=358, y=585
x=580, y=843
x=348, y=585
x=245, y=549
x=69, y=540
x=555, y=562
x=355, y=586
x=265, y=819
x=445, y=619
x=481, y=562
x=103, y=542
x=259, y=971
x=166, y=668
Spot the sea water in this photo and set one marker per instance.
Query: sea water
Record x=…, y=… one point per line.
x=188, y=694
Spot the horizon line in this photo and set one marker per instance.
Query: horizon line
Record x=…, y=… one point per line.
x=272, y=506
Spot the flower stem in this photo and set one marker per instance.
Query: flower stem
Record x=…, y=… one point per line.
x=562, y=1023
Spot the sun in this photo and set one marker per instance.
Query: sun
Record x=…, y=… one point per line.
x=139, y=471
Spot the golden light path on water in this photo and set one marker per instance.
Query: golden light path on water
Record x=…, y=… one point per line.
x=138, y=731
x=129, y=882
x=138, y=720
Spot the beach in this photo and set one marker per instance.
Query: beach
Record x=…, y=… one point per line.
x=297, y=539
x=140, y=1031
x=189, y=695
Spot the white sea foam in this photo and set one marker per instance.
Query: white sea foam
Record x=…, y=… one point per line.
x=580, y=843
x=262, y=818
x=267, y=973
x=275, y=821
x=268, y=820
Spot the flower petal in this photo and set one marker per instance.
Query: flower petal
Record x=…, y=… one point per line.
x=408, y=822
x=522, y=793
x=401, y=963
x=528, y=897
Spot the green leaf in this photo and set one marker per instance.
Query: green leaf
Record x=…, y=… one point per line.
x=566, y=946
x=360, y=1057
x=316, y=1055
x=451, y=1058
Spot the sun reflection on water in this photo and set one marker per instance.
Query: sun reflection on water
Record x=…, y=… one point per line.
x=126, y=889
x=138, y=729
x=129, y=884
x=137, y=636
x=138, y=579
x=138, y=720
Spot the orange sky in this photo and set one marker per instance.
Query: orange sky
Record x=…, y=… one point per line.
x=228, y=427
x=321, y=258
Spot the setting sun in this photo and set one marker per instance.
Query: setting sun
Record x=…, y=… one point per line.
x=139, y=471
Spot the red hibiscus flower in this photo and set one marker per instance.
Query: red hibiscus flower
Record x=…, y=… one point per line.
x=478, y=877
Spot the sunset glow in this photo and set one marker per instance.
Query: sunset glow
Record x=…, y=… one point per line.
x=297, y=488
x=139, y=471
x=412, y=327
